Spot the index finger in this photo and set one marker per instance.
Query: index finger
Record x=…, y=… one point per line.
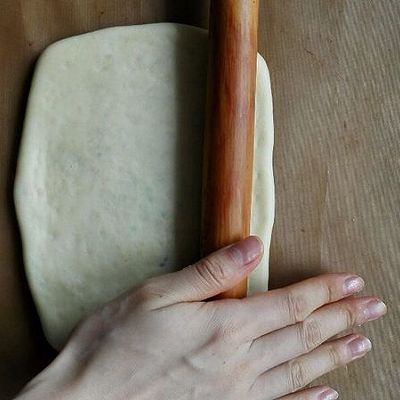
x=266, y=312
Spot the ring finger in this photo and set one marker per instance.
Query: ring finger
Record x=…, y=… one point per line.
x=299, y=372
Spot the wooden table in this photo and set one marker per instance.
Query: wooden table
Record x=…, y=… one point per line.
x=335, y=68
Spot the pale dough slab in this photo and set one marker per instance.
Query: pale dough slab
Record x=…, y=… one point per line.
x=108, y=186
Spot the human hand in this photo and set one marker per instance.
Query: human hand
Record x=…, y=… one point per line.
x=164, y=341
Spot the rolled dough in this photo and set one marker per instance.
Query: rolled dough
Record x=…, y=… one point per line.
x=108, y=186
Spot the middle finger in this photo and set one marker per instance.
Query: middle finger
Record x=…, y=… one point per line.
x=287, y=306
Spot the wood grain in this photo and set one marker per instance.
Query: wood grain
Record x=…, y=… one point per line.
x=335, y=68
x=229, y=132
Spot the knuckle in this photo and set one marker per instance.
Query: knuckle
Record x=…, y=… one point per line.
x=349, y=315
x=330, y=294
x=297, y=375
x=336, y=358
x=147, y=292
x=211, y=272
x=228, y=331
x=244, y=369
x=143, y=293
x=296, y=306
x=310, y=334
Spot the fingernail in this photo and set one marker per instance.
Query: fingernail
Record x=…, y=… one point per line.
x=249, y=249
x=354, y=284
x=359, y=346
x=329, y=395
x=374, y=309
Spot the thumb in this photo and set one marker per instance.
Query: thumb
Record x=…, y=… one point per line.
x=212, y=275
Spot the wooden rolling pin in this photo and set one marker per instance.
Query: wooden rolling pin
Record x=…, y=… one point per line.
x=229, y=129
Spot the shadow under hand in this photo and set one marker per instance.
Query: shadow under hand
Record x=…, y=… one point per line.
x=191, y=83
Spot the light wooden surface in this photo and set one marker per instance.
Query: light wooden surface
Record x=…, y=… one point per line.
x=335, y=68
